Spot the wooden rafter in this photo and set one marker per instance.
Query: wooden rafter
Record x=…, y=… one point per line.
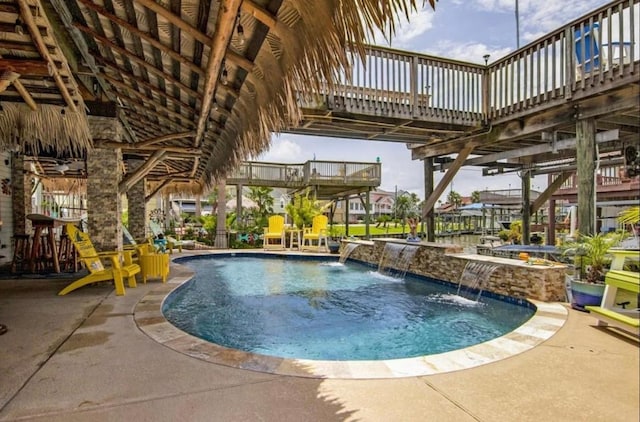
x=225, y=25
x=7, y=77
x=28, y=99
x=194, y=32
x=446, y=179
x=150, y=148
x=259, y=13
x=151, y=88
x=133, y=178
x=549, y=191
x=25, y=67
x=142, y=97
x=29, y=21
x=165, y=138
x=148, y=67
x=142, y=35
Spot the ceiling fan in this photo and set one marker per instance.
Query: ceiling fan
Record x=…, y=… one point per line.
x=66, y=165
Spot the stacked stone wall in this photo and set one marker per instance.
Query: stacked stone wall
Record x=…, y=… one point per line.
x=137, y=205
x=104, y=174
x=444, y=262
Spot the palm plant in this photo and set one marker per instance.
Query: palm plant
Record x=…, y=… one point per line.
x=302, y=209
x=592, y=251
x=630, y=216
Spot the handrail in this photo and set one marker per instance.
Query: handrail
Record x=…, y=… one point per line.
x=389, y=82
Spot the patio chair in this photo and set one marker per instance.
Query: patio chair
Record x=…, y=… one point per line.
x=93, y=262
x=314, y=237
x=587, y=50
x=273, y=237
x=142, y=246
x=169, y=242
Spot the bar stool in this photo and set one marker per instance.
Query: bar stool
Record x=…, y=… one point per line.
x=67, y=256
x=21, y=253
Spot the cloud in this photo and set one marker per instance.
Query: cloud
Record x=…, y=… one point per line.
x=283, y=151
x=420, y=22
x=469, y=52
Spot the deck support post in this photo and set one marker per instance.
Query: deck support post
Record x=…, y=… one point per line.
x=367, y=205
x=586, y=160
x=526, y=207
x=429, y=216
x=221, y=216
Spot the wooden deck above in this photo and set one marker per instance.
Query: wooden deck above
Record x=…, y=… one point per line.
x=328, y=179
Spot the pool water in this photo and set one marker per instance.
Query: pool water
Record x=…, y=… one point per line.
x=329, y=311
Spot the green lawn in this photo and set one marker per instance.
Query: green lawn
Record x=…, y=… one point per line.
x=359, y=229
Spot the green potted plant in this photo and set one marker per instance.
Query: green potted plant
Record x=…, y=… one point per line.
x=333, y=242
x=302, y=209
x=590, y=254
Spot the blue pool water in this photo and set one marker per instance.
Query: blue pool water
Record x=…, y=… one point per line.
x=330, y=311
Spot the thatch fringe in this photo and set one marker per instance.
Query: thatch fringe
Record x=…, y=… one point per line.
x=48, y=128
x=307, y=52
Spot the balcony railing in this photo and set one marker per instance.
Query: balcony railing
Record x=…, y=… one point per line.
x=591, y=54
x=310, y=173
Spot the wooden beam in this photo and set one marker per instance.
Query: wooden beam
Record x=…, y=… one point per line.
x=153, y=193
x=549, y=191
x=29, y=21
x=141, y=63
x=25, y=66
x=133, y=178
x=448, y=177
x=7, y=77
x=164, y=138
x=594, y=107
x=26, y=96
x=150, y=148
x=142, y=97
x=142, y=35
x=563, y=144
x=263, y=15
x=175, y=20
x=225, y=25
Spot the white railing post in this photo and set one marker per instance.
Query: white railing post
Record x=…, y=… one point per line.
x=413, y=88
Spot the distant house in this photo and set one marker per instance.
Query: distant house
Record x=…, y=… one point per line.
x=381, y=203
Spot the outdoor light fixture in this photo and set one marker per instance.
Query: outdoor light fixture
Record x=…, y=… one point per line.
x=19, y=29
x=224, y=76
x=240, y=31
x=486, y=59
x=61, y=168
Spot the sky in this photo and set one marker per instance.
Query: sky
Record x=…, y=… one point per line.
x=458, y=29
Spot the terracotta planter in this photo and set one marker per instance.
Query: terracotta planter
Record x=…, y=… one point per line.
x=584, y=294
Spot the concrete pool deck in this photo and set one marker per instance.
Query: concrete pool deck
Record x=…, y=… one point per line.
x=83, y=357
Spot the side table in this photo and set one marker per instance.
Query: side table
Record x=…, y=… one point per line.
x=154, y=265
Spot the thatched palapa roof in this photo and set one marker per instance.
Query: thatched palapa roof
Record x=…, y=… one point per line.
x=199, y=85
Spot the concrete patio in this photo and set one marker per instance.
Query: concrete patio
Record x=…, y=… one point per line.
x=82, y=357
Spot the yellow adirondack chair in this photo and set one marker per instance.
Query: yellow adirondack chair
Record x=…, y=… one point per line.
x=316, y=234
x=273, y=237
x=93, y=262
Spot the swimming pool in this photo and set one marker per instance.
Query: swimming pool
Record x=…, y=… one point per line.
x=309, y=309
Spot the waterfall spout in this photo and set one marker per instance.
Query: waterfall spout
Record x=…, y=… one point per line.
x=474, y=275
x=396, y=259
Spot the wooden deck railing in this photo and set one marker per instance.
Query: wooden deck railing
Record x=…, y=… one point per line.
x=403, y=84
x=328, y=173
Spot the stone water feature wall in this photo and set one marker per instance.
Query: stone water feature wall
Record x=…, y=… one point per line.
x=447, y=262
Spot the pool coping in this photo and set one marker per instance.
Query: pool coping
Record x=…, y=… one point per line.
x=547, y=320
